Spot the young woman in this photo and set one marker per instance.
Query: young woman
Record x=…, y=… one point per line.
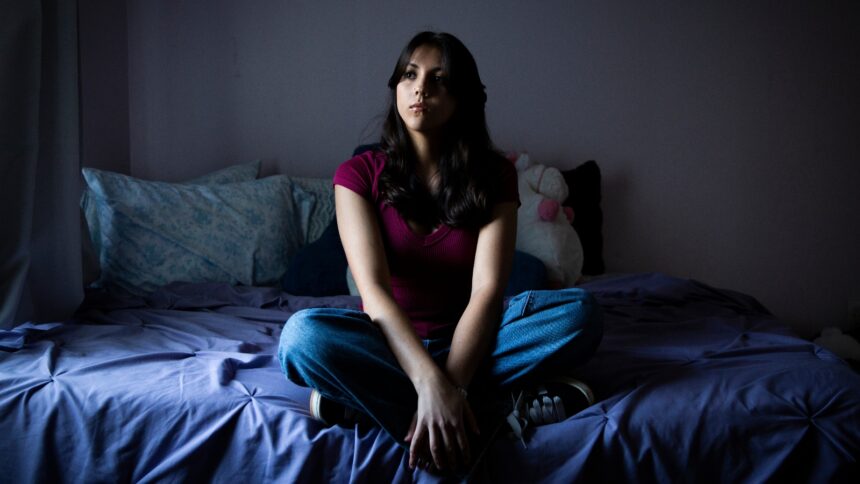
x=428, y=223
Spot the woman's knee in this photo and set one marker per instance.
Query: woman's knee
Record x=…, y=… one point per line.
x=303, y=340
x=579, y=304
x=297, y=330
x=294, y=336
x=585, y=306
x=316, y=338
x=585, y=315
x=584, y=325
x=581, y=316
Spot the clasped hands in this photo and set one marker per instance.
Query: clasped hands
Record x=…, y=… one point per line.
x=438, y=437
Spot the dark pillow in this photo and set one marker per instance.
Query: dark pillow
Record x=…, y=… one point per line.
x=584, y=185
x=319, y=268
x=362, y=148
x=527, y=273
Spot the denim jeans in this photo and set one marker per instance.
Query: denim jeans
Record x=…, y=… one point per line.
x=345, y=356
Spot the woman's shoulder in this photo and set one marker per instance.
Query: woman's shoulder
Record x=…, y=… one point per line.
x=361, y=172
x=368, y=156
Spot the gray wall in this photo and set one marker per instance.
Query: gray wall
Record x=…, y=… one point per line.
x=103, y=59
x=725, y=130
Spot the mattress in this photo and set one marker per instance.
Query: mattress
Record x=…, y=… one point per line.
x=694, y=384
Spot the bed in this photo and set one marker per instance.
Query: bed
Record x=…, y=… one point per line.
x=179, y=383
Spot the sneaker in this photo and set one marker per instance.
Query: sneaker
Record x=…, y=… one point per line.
x=330, y=412
x=551, y=402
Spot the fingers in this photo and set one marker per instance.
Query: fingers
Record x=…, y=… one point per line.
x=437, y=448
x=426, y=465
x=438, y=434
x=420, y=452
x=448, y=447
x=415, y=445
x=453, y=447
x=409, y=435
x=434, y=449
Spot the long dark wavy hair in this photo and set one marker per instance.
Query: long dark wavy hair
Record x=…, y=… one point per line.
x=468, y=166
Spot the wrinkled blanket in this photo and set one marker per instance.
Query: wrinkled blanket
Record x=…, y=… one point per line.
x=694, y=384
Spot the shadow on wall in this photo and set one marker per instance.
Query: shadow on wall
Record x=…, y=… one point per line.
x=618, y=220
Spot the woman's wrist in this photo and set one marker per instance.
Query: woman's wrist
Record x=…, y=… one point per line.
x=440, y=378
x=458, y=375
x=431, y=377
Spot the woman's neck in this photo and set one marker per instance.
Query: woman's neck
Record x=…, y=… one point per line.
x=427, y=158
x=426, y=151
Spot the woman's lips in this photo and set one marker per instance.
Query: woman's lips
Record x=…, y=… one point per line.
x=418, y=107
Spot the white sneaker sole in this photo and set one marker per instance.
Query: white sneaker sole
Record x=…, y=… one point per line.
x=316, y=399
x=582, y=387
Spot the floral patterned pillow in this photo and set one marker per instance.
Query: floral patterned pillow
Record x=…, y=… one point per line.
x=147, y=234
x=313, y=199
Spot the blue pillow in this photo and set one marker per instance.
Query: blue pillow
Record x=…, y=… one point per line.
x=528, y=273
x=313, y=199
x=231, y=174
x=147, y=234
x=318, y=269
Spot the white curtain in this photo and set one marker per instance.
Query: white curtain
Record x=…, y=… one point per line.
x=40, y=254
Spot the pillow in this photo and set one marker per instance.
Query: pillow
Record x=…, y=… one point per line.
x=148, y=234
x=583, y=183
x=313, y=199
x=368, y=147
x=528, y=273
x=231, y=174
x=318, y=268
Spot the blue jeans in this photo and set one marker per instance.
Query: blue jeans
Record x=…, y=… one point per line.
x=345, y=356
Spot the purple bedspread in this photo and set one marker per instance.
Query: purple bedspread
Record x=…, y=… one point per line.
x=695, y=385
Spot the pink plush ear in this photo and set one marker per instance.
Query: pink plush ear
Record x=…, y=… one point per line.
x=548, y=209
x=568, y=212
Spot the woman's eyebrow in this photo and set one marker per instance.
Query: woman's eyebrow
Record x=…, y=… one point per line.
x=432, y=69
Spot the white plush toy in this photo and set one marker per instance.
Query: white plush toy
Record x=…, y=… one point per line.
x=543, y=225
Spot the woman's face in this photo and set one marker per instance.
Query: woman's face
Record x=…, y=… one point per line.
x=423, y=101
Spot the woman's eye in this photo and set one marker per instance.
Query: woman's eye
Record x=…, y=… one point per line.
x=409, y=75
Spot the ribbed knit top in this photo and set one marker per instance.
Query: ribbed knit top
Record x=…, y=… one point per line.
x=431, y=275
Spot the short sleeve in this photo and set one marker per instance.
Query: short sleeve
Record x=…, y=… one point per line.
x=358, y=174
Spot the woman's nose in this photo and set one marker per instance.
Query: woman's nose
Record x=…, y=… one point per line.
x=421, y=88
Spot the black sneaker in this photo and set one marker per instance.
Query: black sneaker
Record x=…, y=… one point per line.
x=330, y=412
x=558, y=399
x=553, y=401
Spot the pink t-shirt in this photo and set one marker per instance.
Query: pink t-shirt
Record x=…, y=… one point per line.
x=431, y=275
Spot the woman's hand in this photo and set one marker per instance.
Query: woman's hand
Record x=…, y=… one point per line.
x=438, y=432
